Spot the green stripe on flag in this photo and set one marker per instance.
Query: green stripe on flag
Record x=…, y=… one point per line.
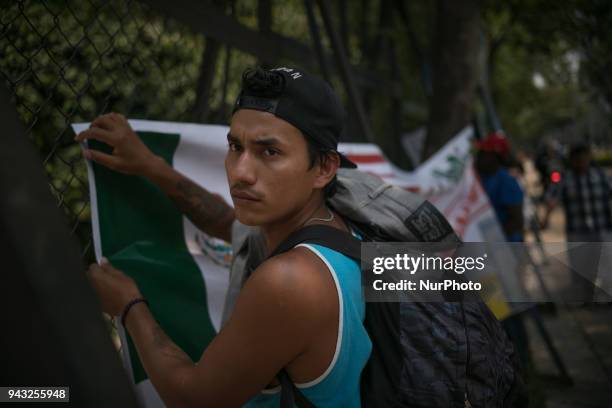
x=141, y=233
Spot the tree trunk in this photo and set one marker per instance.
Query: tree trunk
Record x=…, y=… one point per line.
x=208, y=66
x=264, y=23
x=201, y=107
x=454, y=72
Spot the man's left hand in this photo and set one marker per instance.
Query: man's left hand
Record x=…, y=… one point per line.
x=114, y=288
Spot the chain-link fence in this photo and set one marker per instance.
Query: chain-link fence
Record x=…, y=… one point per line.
x=69, y=61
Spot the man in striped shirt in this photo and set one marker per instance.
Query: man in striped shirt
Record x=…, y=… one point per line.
x=584, y=192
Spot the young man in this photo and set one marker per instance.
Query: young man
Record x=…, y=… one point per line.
x=301, y=311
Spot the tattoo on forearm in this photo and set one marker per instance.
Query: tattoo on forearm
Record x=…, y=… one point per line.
x=164, y=346
x=204, y=209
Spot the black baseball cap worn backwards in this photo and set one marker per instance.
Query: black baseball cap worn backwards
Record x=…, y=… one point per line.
x=305, y=101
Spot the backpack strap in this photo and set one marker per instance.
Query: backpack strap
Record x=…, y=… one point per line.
x=291, y=394
x=333, y=238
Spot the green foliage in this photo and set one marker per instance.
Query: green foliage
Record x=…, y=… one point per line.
x=68, y=62
x=592, y=29
x=603, y=158
x=544, y=63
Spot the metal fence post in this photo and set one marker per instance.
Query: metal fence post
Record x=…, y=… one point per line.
x=53, y=331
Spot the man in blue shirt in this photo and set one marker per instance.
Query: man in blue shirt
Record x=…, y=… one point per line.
x=503, y=189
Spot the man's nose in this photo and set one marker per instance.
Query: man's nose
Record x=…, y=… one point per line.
x=244, y=169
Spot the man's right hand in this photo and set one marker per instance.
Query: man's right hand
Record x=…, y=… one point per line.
x=208, y=211
x=130, y=155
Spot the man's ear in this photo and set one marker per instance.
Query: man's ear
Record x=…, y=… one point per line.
x=326, y=169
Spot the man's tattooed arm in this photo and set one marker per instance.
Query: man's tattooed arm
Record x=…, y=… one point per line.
x=164, y=347
x=208, y=211
x=168, y=367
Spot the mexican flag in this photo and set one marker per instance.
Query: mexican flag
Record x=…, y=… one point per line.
x=185, y=274
x=181, y=271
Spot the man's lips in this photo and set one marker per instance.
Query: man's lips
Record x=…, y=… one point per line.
x=244, y=196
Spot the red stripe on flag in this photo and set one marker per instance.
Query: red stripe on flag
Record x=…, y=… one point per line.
x=367, y=158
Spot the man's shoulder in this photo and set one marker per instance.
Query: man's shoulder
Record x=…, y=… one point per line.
x=508, y=179
x=505, y=175
x=298, y=265
x=297, y=275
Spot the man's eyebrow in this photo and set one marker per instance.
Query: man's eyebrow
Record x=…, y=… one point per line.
x=269, y=141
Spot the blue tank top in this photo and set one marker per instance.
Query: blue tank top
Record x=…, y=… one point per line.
x=338, y=386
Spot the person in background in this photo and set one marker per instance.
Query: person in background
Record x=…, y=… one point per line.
x=584, y=192
x=506, y=196
x=548, y=160
x=516, y=169
x=504, y=191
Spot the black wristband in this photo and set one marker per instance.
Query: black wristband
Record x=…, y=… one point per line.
x=127, y=308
